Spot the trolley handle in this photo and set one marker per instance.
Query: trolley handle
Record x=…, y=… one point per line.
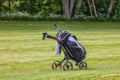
x=44, y=35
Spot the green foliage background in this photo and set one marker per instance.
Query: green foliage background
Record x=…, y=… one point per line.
x=48, y=9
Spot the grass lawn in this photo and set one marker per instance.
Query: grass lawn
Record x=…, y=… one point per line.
x=25, y=56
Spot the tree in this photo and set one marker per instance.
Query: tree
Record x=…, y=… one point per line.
x=92, y=7
x=78, y=5
x=66, y=10
x=71, y=7
x=112, y=3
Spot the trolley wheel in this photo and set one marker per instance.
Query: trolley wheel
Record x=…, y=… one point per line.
x=68, y=66
x=82, y=65
x=56, y=64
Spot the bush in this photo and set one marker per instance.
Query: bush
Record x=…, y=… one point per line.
x=19, y=16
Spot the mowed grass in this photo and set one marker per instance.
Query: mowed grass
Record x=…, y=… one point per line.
x=25, y=56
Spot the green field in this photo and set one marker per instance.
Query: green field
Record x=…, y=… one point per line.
x=25, y=56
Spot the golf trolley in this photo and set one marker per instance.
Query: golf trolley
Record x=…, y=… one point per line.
x=72, y=49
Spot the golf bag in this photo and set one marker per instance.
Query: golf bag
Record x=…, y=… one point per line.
x=72, y=49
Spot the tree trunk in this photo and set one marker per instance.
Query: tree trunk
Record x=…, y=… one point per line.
x=77, y=7
x=71, y=7
x=111, y=6
x=65, y=5
x=94, y=7
x=90, y=8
